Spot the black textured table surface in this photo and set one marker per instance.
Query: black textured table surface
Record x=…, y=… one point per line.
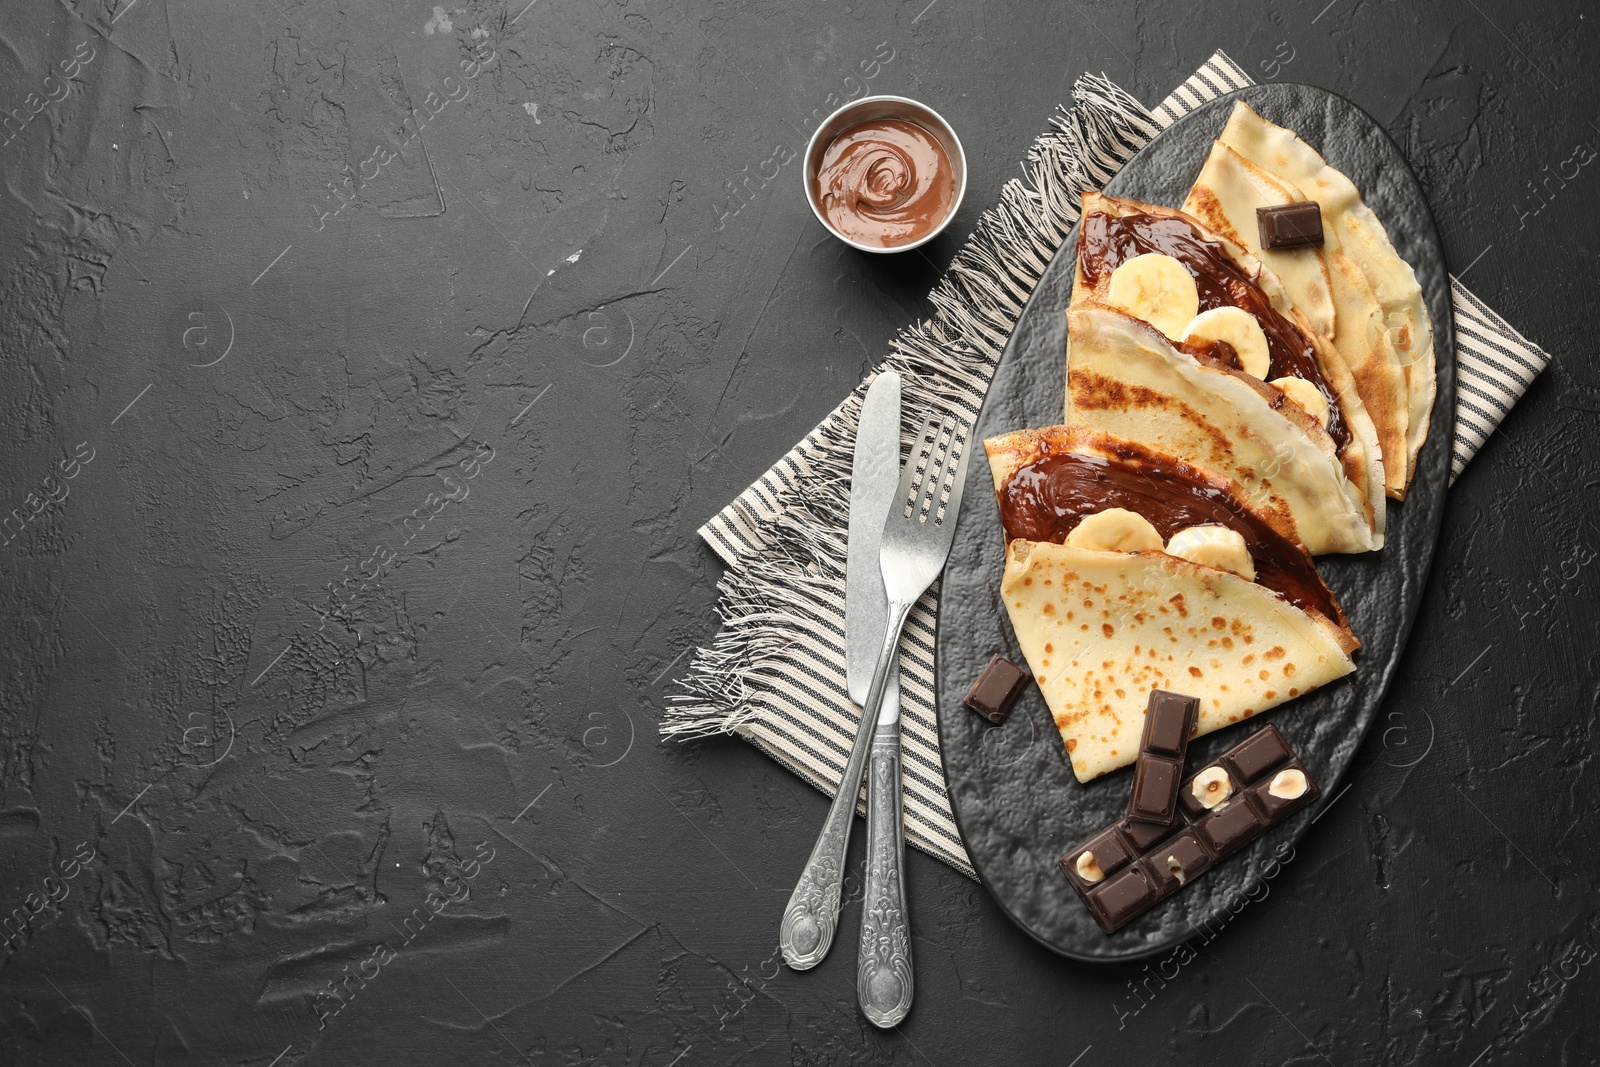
x=367, y=370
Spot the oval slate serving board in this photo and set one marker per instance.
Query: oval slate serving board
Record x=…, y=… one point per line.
x=1016, y=801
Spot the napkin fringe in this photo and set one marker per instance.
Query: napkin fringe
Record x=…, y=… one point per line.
x=769, y=605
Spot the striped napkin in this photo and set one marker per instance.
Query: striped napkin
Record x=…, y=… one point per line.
x=775, y=673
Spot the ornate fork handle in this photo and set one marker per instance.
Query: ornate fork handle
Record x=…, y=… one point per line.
x=883, y=977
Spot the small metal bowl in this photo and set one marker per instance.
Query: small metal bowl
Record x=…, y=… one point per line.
x=867, y=109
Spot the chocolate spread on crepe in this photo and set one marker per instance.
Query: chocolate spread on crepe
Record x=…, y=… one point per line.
x=1126, y=379
x=1361, y=458
x=1106, y=241
x=1047, y=496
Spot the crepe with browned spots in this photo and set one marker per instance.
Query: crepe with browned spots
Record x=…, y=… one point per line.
x=1101, y=629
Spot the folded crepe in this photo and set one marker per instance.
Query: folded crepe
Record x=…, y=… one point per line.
x=1101, y=629
x=1354, y=289
x=1115, y=230
x=1049, y=480
x=1125, y=378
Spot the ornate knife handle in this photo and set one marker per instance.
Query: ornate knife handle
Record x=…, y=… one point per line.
x=810, y=920
x=883, y=977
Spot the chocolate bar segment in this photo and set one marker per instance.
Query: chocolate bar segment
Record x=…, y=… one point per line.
x=1209, y=789
x=1169, y=720
x=1252, y=757
x=1284, y=792
x=1255, y=785
x=1100, y=857
x=1155, y=789
x=1297, y=225
x=1232, y=827
x=999, y=685
x=1143, y=834
x=1122, y=898
x=1178, y=862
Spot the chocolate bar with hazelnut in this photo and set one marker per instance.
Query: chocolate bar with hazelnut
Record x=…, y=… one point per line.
x=1169, y=722
x=1128, y=868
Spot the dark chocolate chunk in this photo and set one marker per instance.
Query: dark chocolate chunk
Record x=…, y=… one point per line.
x=1231, y=827
x=1111, y=853
x=1121, y=898
x=1257, y=754
x=1178, y=862
x=1143, y=834
x=1188, y=803
x=1290, y=225
x=999, y=685
x=1141, y=860
x=1155, y=790
x=1169, y=720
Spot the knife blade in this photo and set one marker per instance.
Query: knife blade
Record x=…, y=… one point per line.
x=812, y=916
x=875, y=475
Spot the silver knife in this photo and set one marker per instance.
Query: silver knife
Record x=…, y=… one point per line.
x=812, y=916
x=873, y=481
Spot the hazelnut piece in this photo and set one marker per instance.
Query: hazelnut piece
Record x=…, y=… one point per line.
x=1212, y=786
x=1288, y=785
x=1089, y=868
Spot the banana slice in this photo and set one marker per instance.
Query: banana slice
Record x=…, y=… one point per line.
x=1214, y=546
x=1240, y=329
x=1115, y=530
x=1308, y=396
x=1157, y=289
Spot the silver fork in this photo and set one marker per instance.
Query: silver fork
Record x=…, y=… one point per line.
x=916, y=543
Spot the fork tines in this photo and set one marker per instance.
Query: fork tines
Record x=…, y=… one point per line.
x=932, y=469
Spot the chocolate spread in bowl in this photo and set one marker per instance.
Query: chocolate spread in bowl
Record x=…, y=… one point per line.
x=885, y=183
